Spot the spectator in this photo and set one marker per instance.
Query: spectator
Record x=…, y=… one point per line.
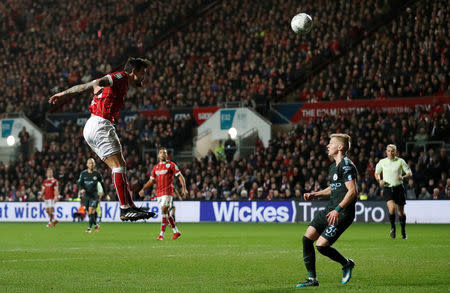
x=411, y=190
x=210, y=158
x=436, y=194
x=447, y=189
x=24, y=137
x=421, y=137
x=230, y=148
x=364, y=192
x=219, y=152
x=424, y=194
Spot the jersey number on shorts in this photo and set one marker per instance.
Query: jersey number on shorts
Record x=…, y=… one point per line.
x=331, y=231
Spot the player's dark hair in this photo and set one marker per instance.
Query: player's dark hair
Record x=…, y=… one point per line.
x=136, y=63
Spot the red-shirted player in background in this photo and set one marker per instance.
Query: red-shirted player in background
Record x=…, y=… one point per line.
x=99, y=132
x=50, y=190
x=163, y=174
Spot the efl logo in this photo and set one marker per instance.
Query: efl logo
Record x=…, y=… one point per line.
x=247, y=211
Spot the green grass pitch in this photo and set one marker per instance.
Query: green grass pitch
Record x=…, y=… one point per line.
x=214, y=257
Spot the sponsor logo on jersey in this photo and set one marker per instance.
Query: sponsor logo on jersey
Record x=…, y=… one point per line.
x=167, y=165
x=161, y=172
x=335, y=185
x=118, y=75
x=335, y=177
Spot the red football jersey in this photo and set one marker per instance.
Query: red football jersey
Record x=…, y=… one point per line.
x=164, y=172
x=49, y=188
x=110, y=100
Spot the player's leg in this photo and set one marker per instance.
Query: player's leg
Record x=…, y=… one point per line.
x=89, y=229
x=309, y=255
x=400, y=201
x=49, y=212
x=164, y=205
x=117, y=164
x=98, y=217
x=86, y=202
x=328, y=237
x=91, y=214
x=53, y=220
x=172, y=212
x=324, y=247
x=93, y=209
x=52, y=210
x=173, y=224
x=391, y=209
x=101, y=136
x=128, y=209
x=48, y=205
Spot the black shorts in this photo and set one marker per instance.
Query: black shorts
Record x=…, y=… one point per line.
x=90, y=202
x=331, y=232
x=396, y=193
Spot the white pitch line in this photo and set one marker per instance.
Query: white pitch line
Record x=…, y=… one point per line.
x=44, y=259
x=222, y=253
x=118, y=247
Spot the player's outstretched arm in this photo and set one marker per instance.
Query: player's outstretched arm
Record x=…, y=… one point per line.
x=312, y=195
x=89, y=86
x=146, y=186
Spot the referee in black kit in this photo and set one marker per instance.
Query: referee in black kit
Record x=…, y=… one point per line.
x=393, y=169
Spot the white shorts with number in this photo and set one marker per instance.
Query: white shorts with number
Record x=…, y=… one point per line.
x=165, y=201
x=49, y=203
x=101, y=136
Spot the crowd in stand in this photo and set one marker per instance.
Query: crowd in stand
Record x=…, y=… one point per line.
x=296, y=162
x=231, y=53
x=47, y=46
x=293, y=163
x=66, y=153
x=246, y=51
x=407, y=58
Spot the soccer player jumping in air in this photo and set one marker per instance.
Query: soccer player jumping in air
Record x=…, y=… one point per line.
x=163, y=174
x=99, y=132
x=329, y=224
